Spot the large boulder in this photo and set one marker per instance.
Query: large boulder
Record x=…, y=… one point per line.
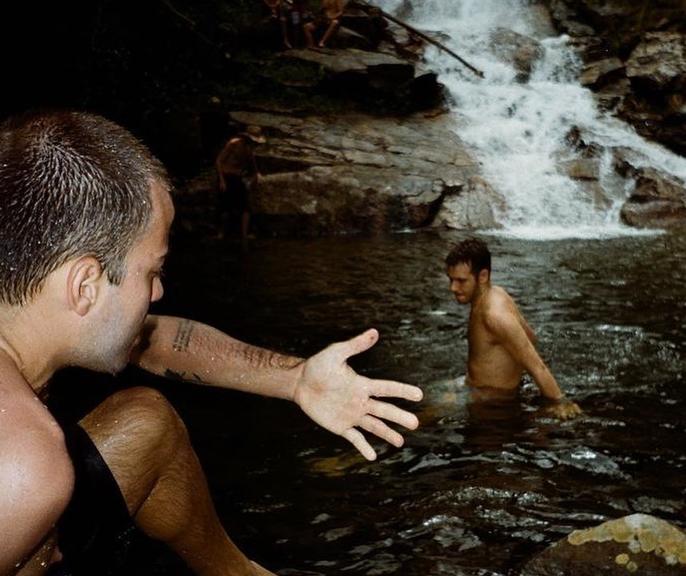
x=600, y=72
x=353, y=173
x=639, y=544
x=658, y=201
x=471, y=206
x=659, y=61
x=380, y=78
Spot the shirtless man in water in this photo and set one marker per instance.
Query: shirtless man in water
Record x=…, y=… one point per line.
x=501, y=342
x=85, y=213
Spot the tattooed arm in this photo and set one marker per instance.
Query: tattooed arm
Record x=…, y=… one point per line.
x=324, y=386
x=191, y=351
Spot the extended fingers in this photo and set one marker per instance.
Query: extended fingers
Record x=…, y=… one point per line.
x=393, y=389
x=382, y=430
x=357, y=439
x=393, y=414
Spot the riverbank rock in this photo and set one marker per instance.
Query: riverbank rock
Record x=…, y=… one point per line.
x=473, y=206
x=658, y=201
x=639, y=544
x=351, y=173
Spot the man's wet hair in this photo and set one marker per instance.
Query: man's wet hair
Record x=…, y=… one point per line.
x=71, y=184
x=471, y=251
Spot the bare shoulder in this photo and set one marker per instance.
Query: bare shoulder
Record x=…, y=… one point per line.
x=36, y=474
x=29, y=435
x=498, y=307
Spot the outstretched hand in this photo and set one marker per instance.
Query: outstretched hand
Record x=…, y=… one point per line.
x=340, y=400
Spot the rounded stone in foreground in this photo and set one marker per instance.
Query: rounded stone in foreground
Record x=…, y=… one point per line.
x=639, y=543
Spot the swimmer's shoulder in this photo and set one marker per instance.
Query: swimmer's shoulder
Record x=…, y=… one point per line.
x=499, y=308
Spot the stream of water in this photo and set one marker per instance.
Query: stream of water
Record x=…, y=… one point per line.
x=519, y=130
x=475, y=491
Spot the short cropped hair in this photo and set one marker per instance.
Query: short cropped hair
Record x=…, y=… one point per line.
x=471, y=251
x=71, y=184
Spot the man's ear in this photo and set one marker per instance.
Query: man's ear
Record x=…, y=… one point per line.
x=484, y=276
x=84, y=283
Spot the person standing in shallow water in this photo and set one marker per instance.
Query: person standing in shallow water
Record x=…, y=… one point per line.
x=501, y=342
x=238, y=177
x=85, y=214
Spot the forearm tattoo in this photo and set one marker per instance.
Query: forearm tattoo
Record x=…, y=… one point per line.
x=183, y=377
x=261, y=358
x=183, y=336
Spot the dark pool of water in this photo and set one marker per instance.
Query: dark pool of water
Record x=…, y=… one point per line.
x=476, y=490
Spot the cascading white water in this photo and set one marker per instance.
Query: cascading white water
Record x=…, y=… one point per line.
x=518, y=131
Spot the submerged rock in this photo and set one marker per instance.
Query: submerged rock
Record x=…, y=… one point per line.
x=639, y=544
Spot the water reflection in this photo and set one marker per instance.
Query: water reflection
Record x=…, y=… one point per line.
x=480, y=487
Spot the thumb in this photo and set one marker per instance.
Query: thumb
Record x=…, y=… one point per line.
x=358, y=344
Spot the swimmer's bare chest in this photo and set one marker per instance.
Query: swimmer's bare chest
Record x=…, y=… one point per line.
x=490, y=365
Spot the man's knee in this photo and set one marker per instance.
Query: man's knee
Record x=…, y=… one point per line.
x=138, y=433
x=143, y=412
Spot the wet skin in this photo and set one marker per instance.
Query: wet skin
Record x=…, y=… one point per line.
x=501, y=343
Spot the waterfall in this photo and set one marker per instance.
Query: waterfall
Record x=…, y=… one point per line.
x=519, y=131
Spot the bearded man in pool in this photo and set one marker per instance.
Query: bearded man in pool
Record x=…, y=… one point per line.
x=85, y=213
x=501, y=342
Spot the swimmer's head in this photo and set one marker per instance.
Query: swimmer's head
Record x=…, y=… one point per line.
x=471, y=251
x=468, y=266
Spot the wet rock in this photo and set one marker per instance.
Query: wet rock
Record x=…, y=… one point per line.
x=567, y=20
x=639, y=543
x=367, y=23
x=649, y=38
x=659, y=61
x=658, y=201
x=471, y=206
x=516, y=49
x=582, y=168
x=601, y=72
x=353, y=173
x=612, y=96
x=348, y=38
x=375, y=77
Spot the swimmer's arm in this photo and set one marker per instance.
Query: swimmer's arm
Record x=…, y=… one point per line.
x=530, y=334
x=324, y=386
x=510, y=332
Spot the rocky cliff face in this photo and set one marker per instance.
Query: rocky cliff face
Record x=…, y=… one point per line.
x=635, y=56
x=357, y=142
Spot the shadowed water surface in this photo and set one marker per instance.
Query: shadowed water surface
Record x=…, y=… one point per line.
x=477, y=489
